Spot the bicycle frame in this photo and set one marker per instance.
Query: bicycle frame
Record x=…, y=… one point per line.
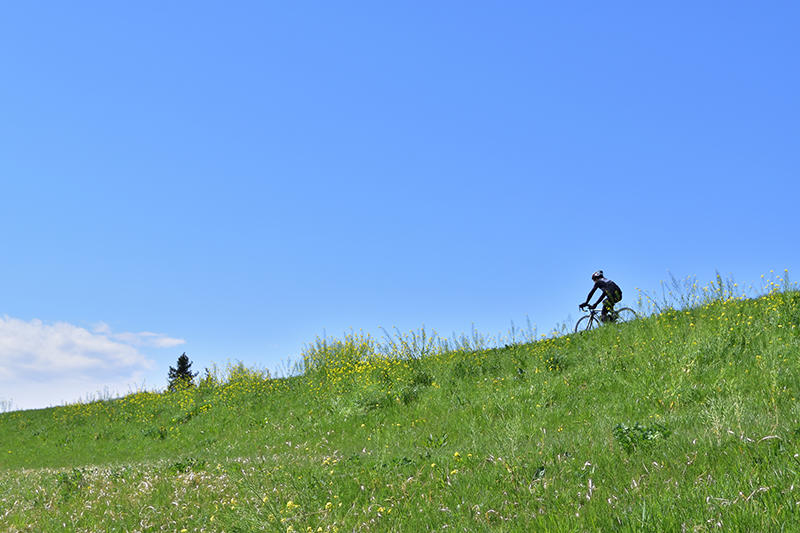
x=594, y=318
x=597, y=314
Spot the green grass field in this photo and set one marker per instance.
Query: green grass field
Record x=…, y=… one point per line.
x=686, y=420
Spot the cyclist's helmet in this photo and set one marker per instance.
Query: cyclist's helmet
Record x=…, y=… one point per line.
x=597, y=275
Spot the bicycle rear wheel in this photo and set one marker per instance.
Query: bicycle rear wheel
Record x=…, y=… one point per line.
x=625, y=314
x=585, y=323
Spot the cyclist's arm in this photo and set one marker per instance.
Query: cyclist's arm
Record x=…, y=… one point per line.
x=602, y=297
x=591, y=293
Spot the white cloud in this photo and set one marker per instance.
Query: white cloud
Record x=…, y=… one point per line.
x=144, y=338
x=48, y=364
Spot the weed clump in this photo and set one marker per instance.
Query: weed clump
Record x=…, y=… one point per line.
x=637, y=436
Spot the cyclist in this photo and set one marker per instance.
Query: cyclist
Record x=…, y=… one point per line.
x=611, y=295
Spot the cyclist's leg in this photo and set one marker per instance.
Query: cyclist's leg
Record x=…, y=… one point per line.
x=608, y=310
x=608, y=306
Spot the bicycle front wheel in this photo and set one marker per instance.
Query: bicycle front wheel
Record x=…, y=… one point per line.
x=586, y=323
x=626, y=314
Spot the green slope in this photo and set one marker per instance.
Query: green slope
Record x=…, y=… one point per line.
x=686, y=420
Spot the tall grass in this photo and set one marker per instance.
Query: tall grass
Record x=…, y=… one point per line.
x=685, y=420
x=6, y=405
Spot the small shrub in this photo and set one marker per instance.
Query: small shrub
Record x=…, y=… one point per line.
x=462, y=369
x=409, y=394
x=370, y=400
x=422, y=378
x=638, y=436
x=189, y=464
x=71, y=483
x=438, y=441
x=556, y=362
x=159, y=432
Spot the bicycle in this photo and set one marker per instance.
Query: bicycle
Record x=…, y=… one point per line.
x=594, y=320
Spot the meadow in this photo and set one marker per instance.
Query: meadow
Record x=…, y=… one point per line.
x=684, y=420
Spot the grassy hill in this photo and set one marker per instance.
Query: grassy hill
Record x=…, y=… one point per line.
x=687, y=420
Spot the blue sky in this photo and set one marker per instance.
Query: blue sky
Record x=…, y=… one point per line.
x=234, y=179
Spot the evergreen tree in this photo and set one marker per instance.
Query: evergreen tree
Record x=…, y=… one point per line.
x=182, y=376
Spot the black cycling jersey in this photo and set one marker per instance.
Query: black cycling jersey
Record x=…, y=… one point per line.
x=610, y=290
